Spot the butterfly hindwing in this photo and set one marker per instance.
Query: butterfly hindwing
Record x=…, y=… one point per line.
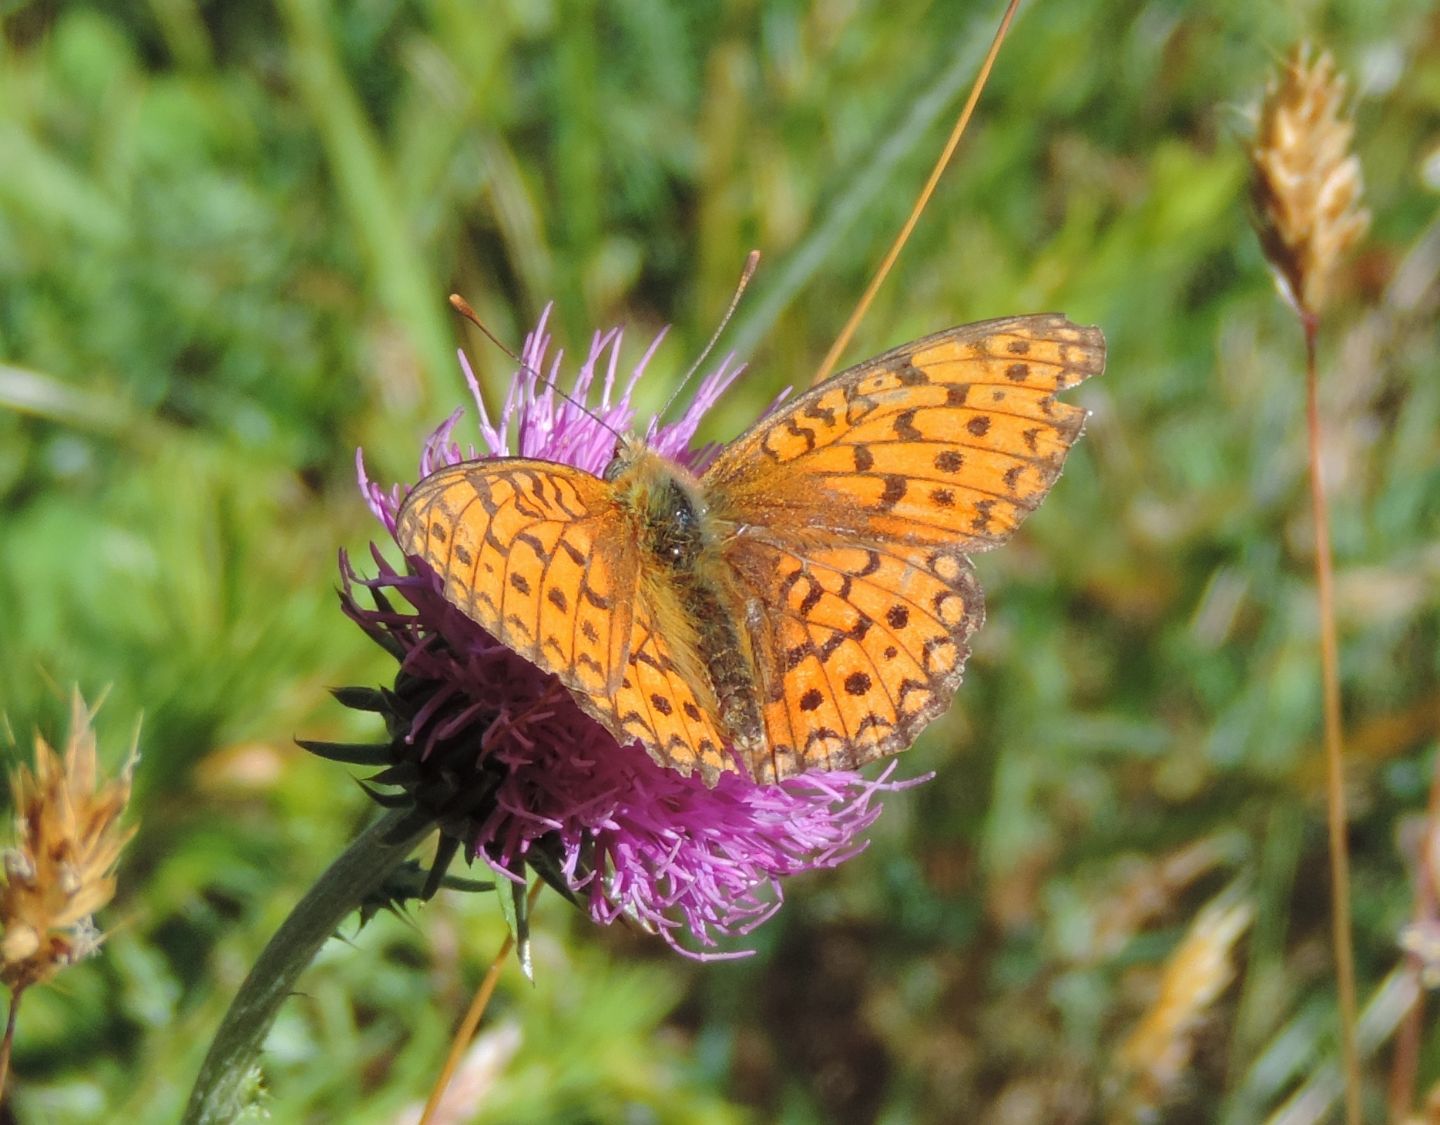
x=661, y=702
x=863, y=646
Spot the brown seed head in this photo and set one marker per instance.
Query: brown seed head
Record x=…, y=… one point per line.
x=62, y=866
x=1307, y=183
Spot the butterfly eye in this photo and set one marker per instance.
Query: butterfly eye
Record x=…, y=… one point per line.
x=617, y=463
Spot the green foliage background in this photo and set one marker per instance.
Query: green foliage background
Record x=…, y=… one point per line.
x=226, y=236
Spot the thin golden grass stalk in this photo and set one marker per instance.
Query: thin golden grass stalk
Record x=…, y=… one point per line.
x=1334, y=745
x=460, y=1042
x=1307, y=188
x=61, y=869
x=832, y=357
x=1156, y=1055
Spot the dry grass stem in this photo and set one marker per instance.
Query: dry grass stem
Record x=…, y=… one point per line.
x=61, y=869
x=1307, y=188
x=436, y=1105
x=1307, y=183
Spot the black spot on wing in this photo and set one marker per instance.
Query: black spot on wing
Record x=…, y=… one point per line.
x=804, y=433
x=821, y=413
x=573, y=552
x=904, y=426
x=585, y=660
x=524, y=538
x=908, y=375
x=895, y=487
x=587, y=592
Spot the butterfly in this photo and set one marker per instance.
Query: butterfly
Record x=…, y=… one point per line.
x=806, y=601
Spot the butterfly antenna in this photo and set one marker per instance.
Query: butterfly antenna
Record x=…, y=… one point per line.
x=751, y=261
x=462, y=306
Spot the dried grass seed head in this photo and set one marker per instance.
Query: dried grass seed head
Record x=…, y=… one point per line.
x=1307, y=182
x=61, y=869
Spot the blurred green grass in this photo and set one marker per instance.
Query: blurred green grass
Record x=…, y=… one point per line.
x=226, y=235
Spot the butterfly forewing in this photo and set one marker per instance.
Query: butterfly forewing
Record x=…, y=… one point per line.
x=543, y=557
x=954, y=437
x=536, y=553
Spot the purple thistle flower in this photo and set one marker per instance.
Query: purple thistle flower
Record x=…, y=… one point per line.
x=515, y=771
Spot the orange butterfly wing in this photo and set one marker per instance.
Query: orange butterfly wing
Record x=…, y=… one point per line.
x=661, y=701
x=540, y=555
x=537, y=554
x=852, y=511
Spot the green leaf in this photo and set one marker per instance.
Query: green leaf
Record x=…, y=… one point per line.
x=515, y=906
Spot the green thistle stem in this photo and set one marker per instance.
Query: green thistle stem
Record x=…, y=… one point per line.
x=225, y=1076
